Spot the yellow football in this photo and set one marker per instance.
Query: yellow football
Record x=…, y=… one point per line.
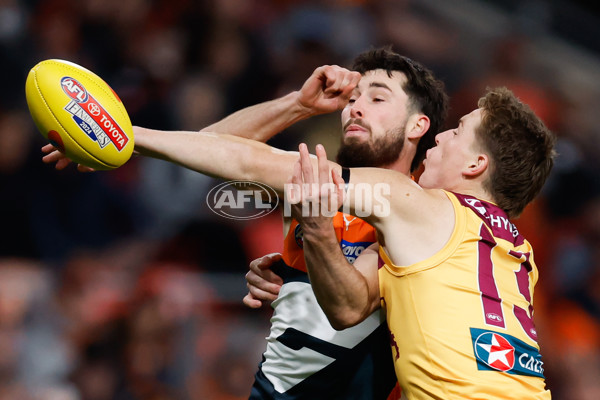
x=79, y=114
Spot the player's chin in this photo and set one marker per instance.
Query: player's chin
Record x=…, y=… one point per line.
x=353, y=137
x=426, y=182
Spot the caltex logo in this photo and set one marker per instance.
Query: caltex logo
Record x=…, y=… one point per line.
x=495, y=351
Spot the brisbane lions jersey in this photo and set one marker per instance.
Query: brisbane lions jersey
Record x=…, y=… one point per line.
x=305, y=357
x=461, y=321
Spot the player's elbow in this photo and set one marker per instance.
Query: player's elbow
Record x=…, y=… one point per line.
x=246, y=165
x=345, y=319
x=257, y=163
x=339, y=325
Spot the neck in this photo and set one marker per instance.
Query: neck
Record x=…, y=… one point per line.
x=476, y=191
x=401, y=164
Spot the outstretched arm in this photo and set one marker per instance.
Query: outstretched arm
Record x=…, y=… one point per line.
x=347, y=293
x=326, y=90
x=220, y=155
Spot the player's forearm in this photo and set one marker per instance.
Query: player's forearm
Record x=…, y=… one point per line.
x=219, y=155
x=340, y=288
x=263, y=121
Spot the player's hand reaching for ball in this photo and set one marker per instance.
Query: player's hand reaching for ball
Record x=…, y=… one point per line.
x=80, y=114
x=53, y=155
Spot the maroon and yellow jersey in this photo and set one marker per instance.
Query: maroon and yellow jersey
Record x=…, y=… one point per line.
x=461, y=320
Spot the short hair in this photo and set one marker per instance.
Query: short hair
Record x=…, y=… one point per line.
x=520, y=147
x=426, y=93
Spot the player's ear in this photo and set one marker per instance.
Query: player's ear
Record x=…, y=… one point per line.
x=417, y=125
x=477, y=165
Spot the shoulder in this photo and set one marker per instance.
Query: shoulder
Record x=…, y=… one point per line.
x=420, y=205
x=419, y=226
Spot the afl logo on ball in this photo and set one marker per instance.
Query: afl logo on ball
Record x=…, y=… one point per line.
x=74, y=89
x=242, y=200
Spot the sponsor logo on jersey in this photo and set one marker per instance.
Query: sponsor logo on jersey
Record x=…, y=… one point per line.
x=494, y=217
x=242, y=200
x=91, y=117
x=352, y=250
x=505, y=353
x=494, y=317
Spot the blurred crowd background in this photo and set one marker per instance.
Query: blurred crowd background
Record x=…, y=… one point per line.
x=123, y=285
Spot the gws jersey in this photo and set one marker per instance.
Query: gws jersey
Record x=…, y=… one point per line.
x=461, y=321
x=305, y=357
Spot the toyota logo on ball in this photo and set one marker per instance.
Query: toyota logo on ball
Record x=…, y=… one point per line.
x=242, y=200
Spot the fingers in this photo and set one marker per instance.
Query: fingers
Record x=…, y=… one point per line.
x=346, y=90
x=256, y=295
x=307, y=178
x=354, y=79
x=62, y=163
x=263, y=284
x=83, y=168
x=327, y=89
x=294, y=194
x=307, y=168
x=331, y=191
x=251, y=302
x=323, y=165
x=305, y=164
x=326, y=191
x=339, y=184
x=48, y=148
x=314, y=196
x=53, y=155
x=261, y=265
x=338, y=181
x=339, y=80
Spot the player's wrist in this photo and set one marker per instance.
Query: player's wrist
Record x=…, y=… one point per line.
x=141, y=140
x=301, y=107
x=319, y=233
